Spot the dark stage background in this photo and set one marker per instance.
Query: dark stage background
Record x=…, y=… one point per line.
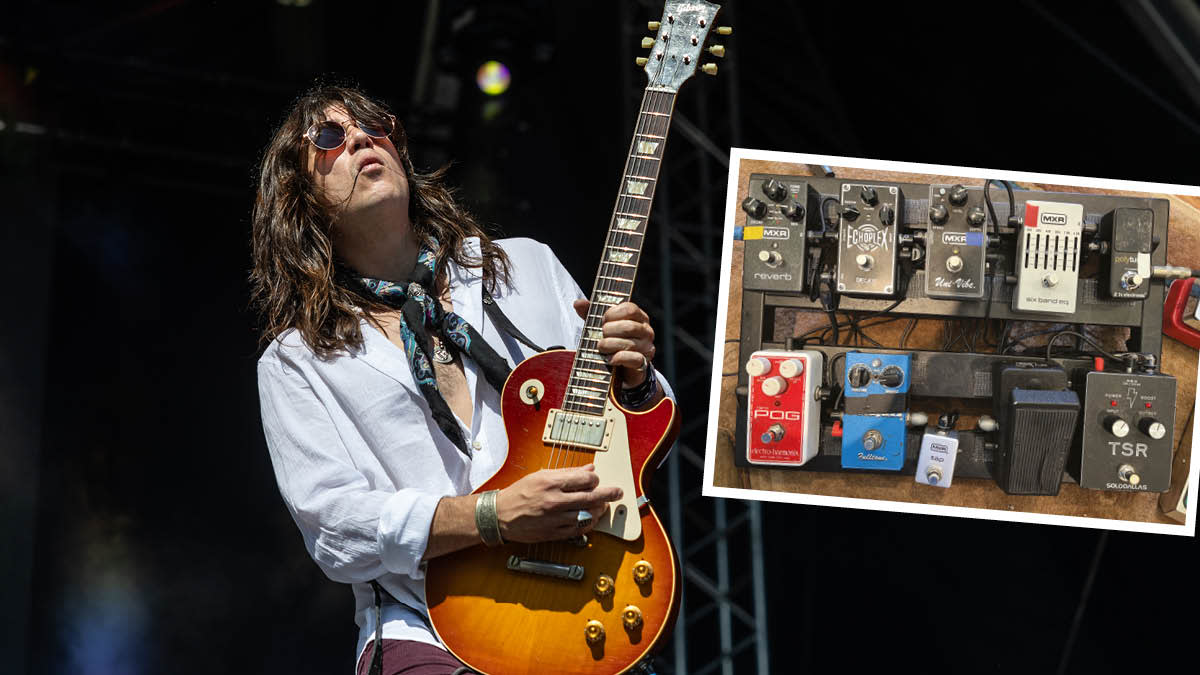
x=142, y=529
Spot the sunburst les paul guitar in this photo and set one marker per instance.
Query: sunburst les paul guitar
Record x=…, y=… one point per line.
x=601, y=603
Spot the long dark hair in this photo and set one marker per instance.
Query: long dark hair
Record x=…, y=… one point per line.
x=296, y=279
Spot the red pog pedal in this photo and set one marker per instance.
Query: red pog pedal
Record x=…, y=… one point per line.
x=783, y=423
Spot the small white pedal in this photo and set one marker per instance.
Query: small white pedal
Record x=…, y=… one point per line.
x=1048, y=257
x=935, y=463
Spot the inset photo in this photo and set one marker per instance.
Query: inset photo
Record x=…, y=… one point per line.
x=957, y=341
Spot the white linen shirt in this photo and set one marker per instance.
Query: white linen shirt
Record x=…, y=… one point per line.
x=359, y=460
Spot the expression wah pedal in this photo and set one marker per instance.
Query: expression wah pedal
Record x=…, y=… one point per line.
x=1130, y=235
x=783, y=423
x=1048, y=257
x=1036, y=413
x=956, y=243
x=939, y=449
x=1128, y=422
x=776, y=209
x=867, y=237
x=874, y=426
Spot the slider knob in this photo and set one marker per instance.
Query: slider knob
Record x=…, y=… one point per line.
x=773, y=434
x=1128, y=474
x=958, y=195
x=1117, y=426
x=770, y=258
x=864, y=261
x=774, y=190
x=954, y=263
x=791, y=368
x=755, y=208
x=774, y=386
x=938, y=214
x=758, y=366
x=1153, y=428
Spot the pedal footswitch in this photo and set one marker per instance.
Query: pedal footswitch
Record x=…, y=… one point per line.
x=874, y=428
x=1128, y=421
x=783, y=425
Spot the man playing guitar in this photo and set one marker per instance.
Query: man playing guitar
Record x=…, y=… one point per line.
x=389, y=318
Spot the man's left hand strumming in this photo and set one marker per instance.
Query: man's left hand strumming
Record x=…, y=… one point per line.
x=628, y=345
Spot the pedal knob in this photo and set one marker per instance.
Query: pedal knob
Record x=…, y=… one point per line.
x=643, y=572
x=887, y=215
x=976, y=217
x=869, y=195
x=774, y=190
x=755, y=208
x=791, y=368
x=954, y=263
x=938, y=214
x=770, y=258
x=773, y=434
x=859, y=376
x=631, y=616
x=794, y=212
x=891, y=377
x=850, y=212
x=1128, y=474
x=604, y=586
x=1116, y=426
x=774, y=386
x=958, y=195
x=1153, y=428
x=758, y=366
x=593, y=632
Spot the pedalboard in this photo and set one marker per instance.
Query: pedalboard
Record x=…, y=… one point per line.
x=1126, y=272
x=867, y=239
x=1127, y=428
x=874, y=428
x=956, y=243
x=776, y=209
x=1048, y=258
x=783, y=424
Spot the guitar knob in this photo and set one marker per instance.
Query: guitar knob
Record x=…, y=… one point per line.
x=643, y=572
x=632, y=617
x=604, y=586
x=593, y=632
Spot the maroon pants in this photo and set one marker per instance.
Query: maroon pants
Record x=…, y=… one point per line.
x=409, y=657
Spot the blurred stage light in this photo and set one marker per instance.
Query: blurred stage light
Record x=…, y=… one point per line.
x=493, y=78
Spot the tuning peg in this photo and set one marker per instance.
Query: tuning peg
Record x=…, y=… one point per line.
x=647, y=42
x=709, y=68
x=717, y=51
x=654, y=25
x=641, y=60
x=724, y=30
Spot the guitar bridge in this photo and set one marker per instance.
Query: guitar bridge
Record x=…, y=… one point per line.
x=592, y=432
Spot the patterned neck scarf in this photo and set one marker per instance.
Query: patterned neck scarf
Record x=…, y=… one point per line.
x=420, y=312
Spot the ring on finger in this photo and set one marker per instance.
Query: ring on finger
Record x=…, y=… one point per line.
x=583, y=518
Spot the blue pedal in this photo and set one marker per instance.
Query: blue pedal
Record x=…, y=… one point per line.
x=876, y=407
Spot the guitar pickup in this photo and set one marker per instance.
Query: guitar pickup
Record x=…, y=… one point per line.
x=592, y=432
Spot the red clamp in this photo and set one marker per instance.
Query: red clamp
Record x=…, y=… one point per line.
x=1173, y=308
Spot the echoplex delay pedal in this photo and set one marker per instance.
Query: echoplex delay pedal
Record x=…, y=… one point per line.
x=983, y=259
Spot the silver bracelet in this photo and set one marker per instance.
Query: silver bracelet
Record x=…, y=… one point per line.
x=487, y=520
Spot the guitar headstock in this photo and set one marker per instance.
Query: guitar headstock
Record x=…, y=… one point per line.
x=680, y=41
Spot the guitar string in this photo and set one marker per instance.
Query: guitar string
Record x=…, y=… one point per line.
x=610, y=275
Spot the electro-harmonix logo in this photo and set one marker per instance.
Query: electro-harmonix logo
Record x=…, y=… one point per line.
x=868, y=237
x=789, y=415
x=954, y=238
x=1045, y=218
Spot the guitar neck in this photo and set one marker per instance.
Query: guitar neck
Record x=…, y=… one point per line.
x=591, y=377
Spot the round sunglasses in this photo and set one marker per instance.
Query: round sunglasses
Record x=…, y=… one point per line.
x=330, y=135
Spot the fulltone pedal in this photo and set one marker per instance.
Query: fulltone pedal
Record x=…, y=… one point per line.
x=1048, y=257
x=783, y=427
x=876, y=395
x=1036, y=414
x=939, y=449
x=867, y=239
x=1128, y=420
x=775, y=246
x=956, y=243
x=1130, y=234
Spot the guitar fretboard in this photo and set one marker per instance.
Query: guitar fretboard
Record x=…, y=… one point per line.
x=591, y=377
